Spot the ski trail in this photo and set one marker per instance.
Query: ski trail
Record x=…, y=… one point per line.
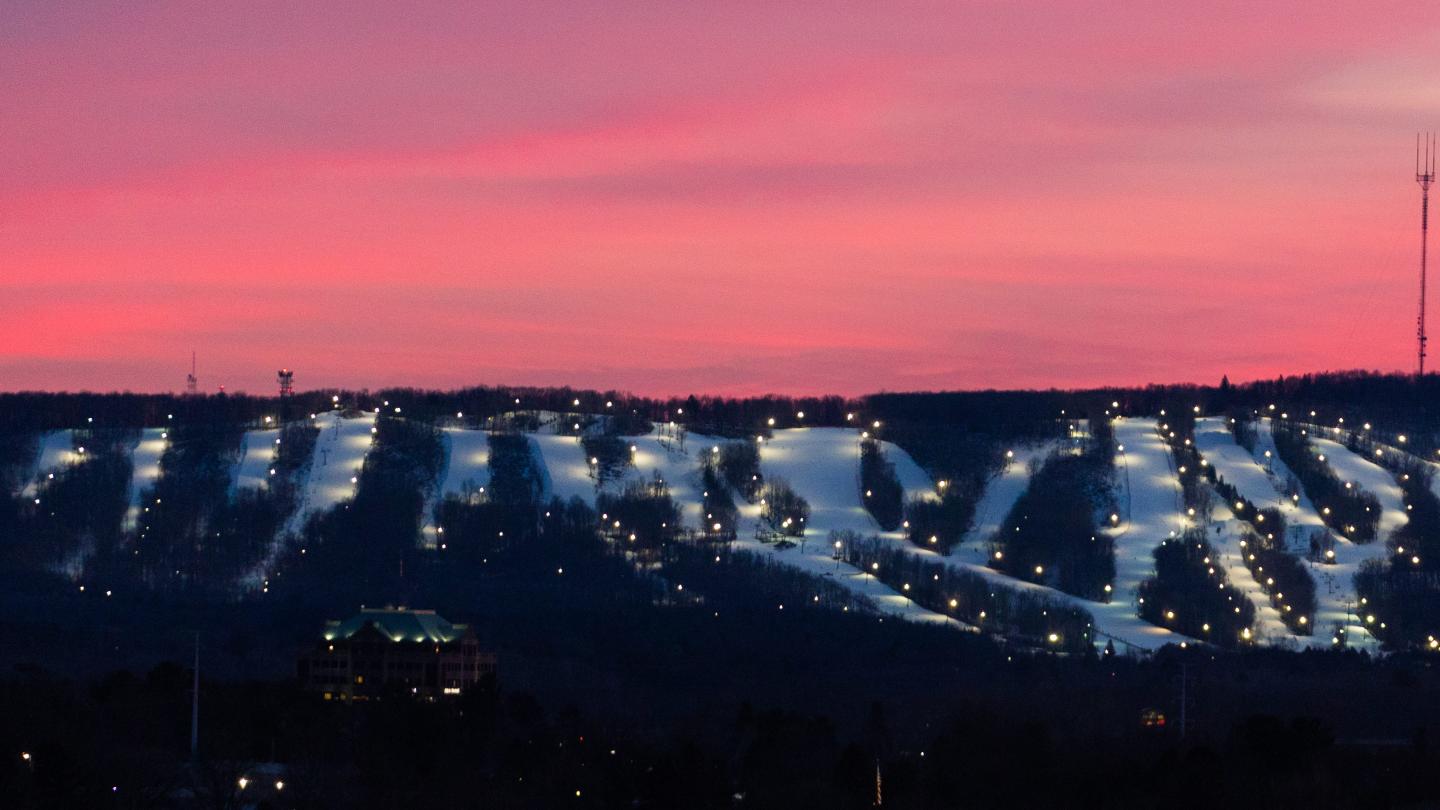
x=1335, y=594
x=823, y=466
x=1151, y=504
x=145, y=469
x=335, y=464
x=1243, y=471
x=251, y=470
x=467, y=466
x=1001, y=492
x=567, y=471
x=57, y=449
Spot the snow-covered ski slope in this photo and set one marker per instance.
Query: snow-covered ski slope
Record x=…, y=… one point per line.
x=1335, y=593
x=467, y=467
x=677, y=465
x=257, y=453
x=914, y=480
x=467, y=461
x=1366, y=474
x=1117, y=620
x=56, y=450
x=339, y=454
x=823, y=466
x=1151, y=506
x=145, y=469
x=1225, y=536
x=1235, y=464
x=1001, y=493
x=566, y=470
x=1263, y=483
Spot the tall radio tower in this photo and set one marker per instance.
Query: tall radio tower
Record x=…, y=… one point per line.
x=192, y=383
x=1424, y=175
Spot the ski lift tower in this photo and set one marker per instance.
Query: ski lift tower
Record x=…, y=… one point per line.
x=286, y=378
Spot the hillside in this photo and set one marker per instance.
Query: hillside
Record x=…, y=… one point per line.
x=1037, y=518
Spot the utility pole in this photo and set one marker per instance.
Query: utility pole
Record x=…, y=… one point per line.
x=1424, y=175
x=195, y=706
x=1184, y=696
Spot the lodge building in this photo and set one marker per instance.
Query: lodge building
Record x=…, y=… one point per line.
x=394, y=651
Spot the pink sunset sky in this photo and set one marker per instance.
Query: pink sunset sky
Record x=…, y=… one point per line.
x=730, y=197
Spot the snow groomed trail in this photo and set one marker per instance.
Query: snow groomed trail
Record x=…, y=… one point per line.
x=335, y=464
x=257, y=453
x=1366, y=474
x=57, y=449
x=823, y=466
x=467, y=467
x=145, y=469
x=1150, y=510
x=679, y=467
x=1118, y=620
x=1243, y=471
x=1373, y=478
x=566, y=470
x=1335, y=593
x=1001, y=493
x=914, y=480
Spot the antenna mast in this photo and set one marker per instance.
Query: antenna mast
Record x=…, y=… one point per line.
x=192, y=383
x=1424, y=175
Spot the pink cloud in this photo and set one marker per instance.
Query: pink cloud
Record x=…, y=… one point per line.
x=723, y=198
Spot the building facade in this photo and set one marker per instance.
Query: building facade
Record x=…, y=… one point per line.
x=394, y=652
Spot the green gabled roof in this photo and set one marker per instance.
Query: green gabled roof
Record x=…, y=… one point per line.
x=399, y=624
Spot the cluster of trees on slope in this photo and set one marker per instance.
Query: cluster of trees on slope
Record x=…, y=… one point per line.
x=641, y=516
x=189, y=534
x=1051, y=535
x=1403, y=592
x=769, y=584
x=1030, y=618
x=739, y=464
x=479, y=523
x=1284, y=578
x=721, y=516
x=1345, y=507
x=1242, y=427
x=1189, y=593
x=964, y=454
x=193, y=533
x=782, y=509
x=880, y=488
x=1177, y=429
x=75, y=519
x=609, y=457
x=373, y=538
x=178, y=537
